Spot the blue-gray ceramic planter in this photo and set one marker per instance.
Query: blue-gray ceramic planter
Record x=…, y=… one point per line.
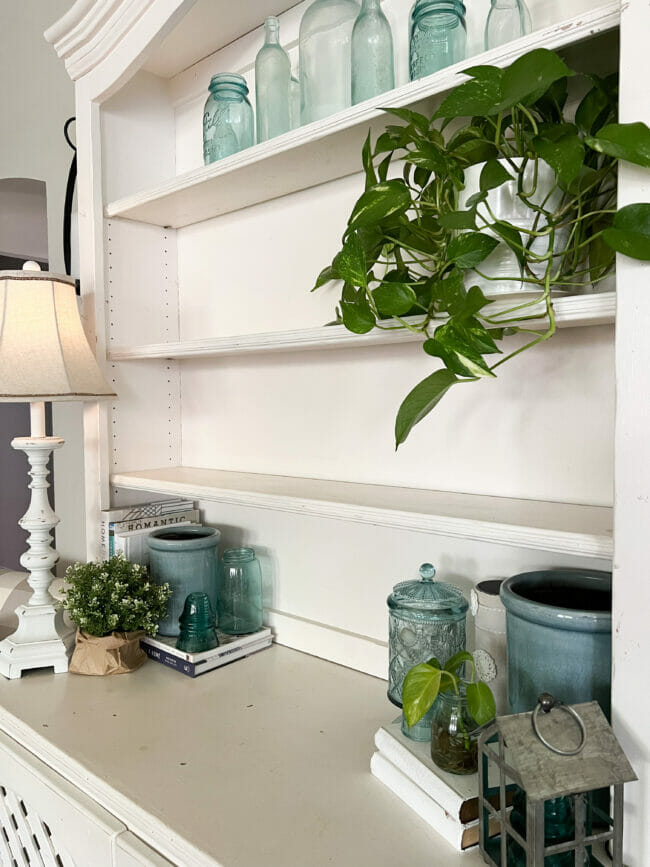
x=559, y=634
x=185, y=557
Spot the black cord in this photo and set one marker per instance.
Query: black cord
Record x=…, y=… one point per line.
x=67, y=208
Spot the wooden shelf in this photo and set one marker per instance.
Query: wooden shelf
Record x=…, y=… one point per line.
x=324, y=150
x=559, y=527
x=577, y=310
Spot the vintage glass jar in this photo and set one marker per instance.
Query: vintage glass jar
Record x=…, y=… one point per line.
x=454, y=734
x=228, y=125
x=437, y=36
x=425, y=618
x=272, y=84
x=239, y=592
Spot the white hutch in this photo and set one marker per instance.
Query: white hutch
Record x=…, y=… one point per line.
x=232, y=391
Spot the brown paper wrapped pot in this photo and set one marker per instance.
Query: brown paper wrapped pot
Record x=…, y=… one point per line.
x=117, y=653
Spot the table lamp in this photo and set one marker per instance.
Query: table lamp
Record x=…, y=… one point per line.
x=44, y=356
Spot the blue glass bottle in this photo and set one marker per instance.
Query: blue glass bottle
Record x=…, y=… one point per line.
x=272, y=84
x=239, y=592
x=507, y=20
x=372, y=53
x=227, y=117
x=438, y=36
x=324, y=47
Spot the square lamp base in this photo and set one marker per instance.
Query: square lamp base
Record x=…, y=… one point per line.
x=42, y=640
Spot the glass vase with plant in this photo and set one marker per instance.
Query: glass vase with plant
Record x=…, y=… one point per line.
x=416, y=247
x=460, y=709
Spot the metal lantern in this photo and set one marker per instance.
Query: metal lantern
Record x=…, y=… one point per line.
x=549, y=764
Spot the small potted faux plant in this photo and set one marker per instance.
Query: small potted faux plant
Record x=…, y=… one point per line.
x=460, y=709
x=113, y=604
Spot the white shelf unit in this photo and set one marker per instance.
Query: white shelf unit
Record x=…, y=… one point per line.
x=204, y=274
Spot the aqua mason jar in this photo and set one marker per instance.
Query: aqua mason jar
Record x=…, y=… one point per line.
x=228, y=125
x=454, y=734
x=372, y=53
x=239, y=592
x=425, y=618
x=186, y=558
x=324, y=47
x=507, y=20
x=437, y=37
x=272, y=84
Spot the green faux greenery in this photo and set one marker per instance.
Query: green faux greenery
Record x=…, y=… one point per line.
x=114, y=596
x=424, y=681
x=409, y=250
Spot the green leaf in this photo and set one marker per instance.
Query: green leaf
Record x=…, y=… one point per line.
x=601, y=256
x=366, y=159
x=380, y=201
x=394, y=299
x=476, y=334
x=530, y=76
x=428, y=156
x=421, y=176
x=625, y=141
x=458, y=220
x=421, y=400
x=454, y=663
x=476, y=199
x=382, y=168
x=551, y=104
x=565, y=156
x=419, y=121
x=469, y=249
x=350, y=263
x=493, y=174
x=456, y=350
x=594, y=104
x=478, y=96
x=326, y=275
x=512, y=238
x=485, y=73
x=355, y=310
x=630, y=231
x=420, y=690
x=480, y=702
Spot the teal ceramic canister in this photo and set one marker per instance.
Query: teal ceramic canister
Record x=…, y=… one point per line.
x=186, y=557
x=559, y=636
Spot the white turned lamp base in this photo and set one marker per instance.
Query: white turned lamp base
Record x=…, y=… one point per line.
x=42, y=639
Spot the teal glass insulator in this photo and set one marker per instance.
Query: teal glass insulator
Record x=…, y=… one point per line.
x=507, y=20
x=239, y=592
x=198, y=629
x=373, y=68
x=186, y=558
x=228, y=125
x=438, y=36
x=272, y=84
x=324, y=47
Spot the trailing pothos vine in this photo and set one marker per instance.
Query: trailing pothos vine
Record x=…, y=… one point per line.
x=410, y=252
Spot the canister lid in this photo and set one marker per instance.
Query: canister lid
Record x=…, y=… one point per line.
x=428, y=595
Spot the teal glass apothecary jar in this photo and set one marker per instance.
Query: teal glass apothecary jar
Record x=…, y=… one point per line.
x=239, y=592
x=425, y=618
x=228, y=125
x=437, y=36
x=186, y=558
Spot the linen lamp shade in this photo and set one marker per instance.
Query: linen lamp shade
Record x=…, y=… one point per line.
x=44, y=353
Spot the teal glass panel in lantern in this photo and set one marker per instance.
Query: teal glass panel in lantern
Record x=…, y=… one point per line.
x=425, y=618
x=239, y=592
x=272, y=84
x=372, y=53
x=507, y=20
x=437, y=37
x=186, y=558
x=324, y=47
x=228, y=125
x=198, y=631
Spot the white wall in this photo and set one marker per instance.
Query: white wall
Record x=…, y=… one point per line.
x=36, y=98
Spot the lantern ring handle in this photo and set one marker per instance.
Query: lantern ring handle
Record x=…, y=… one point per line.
x=546, y=703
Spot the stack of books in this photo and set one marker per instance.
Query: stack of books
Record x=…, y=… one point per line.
x=447, y=802
x=126, y=528
x=231, y=647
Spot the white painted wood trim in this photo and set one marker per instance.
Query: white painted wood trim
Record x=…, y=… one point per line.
x=577, y=310
x=268, y=170
x=563, y=528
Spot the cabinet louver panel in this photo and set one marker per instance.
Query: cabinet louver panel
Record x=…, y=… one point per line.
x=25, y=839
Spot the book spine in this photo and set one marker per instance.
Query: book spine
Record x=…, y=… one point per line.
x=123, y=513
x=420, y=775
x=433, y=814
x=146, y=525
x=231, y=656
x=169, y=660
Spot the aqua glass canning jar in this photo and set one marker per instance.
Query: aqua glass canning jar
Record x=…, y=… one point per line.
x=228, y=125
x=437, y=36
x=239, y=592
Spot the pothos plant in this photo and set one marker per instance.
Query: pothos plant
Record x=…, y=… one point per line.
x=410, y=252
